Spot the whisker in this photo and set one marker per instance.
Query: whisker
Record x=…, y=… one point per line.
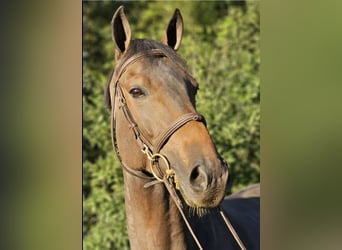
x=198, y=211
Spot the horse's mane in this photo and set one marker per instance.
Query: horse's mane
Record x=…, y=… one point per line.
x=139, y=45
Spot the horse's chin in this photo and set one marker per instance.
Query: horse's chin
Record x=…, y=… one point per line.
x=201, y=206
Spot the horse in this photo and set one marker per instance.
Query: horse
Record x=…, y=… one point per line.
x=174, y=179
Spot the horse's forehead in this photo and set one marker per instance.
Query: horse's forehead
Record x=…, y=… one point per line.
x=157, y=70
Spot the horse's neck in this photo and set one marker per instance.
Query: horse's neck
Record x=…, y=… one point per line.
x=152, y=218
x=154, y=222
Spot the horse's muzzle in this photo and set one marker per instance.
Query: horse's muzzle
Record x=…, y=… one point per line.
x=206, y=184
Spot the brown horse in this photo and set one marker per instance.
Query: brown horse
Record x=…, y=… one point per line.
x=174, y=179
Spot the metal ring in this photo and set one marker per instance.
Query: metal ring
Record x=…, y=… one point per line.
x=153, y=159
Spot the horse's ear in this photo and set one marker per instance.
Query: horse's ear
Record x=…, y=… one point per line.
x=121, y=32
x=174, y=31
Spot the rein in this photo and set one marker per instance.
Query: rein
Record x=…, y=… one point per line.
x=152, y=151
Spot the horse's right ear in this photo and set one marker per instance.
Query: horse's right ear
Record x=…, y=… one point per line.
x=121, y=32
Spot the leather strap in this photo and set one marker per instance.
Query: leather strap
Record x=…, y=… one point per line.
x=121, y=68
x=162, y=138
x=138, y=134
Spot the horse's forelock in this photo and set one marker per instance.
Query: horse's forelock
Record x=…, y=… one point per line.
x=139, y=45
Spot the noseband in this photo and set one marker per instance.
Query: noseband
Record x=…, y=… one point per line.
x=152, y=150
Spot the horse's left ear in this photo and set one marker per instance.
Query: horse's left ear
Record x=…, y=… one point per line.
x=121, y=32
x=174, y=32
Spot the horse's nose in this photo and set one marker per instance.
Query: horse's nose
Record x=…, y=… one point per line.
x=199, y=179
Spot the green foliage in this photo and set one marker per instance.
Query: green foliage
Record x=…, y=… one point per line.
x=221, y=46
x=227, y=70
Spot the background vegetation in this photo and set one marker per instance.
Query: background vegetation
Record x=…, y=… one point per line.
x=221, y=46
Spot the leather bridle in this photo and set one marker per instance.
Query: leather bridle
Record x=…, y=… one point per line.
x=152, y=150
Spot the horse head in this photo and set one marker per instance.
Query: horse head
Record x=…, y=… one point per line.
x=154, y=117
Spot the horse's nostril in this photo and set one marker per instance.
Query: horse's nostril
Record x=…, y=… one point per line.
x=198, y=179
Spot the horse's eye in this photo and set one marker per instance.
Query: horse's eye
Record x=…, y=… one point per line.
x=136, y=92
